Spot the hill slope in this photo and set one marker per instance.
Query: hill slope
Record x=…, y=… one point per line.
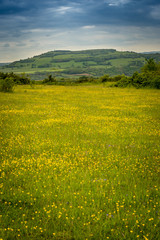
x=73, y=63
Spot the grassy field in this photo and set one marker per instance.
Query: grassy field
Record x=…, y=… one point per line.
x=80, y=162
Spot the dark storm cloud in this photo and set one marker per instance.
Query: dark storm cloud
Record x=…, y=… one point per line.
x=126, y=12
x=13, y=7
x=62, y=13
x=24, y=20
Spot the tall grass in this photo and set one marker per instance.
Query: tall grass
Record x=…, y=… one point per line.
x=80, y=163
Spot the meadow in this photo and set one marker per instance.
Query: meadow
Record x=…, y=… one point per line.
x=80, y=162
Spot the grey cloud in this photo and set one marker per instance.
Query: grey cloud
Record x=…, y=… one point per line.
x=21, y=44
x=117, y=3
x=155, y=12
x=6, y=45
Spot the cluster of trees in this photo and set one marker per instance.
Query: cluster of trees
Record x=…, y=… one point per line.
x=148, y=77
x=9, y=80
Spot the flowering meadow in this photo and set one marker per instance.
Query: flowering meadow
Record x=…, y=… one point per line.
x=80, y=162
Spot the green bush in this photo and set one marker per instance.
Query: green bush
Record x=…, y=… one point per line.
x=117, y=78
x=123, y=82
x=149, y=77
x=105, y=78
x=18, y=79
x=7, y=84
x=156, y=83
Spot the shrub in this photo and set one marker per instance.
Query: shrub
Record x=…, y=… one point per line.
x=117, y=78
x=23, y=79
x=123, y=82
x=156, y=83
x=105, y=78
x=50, y=80
x=7, y=84
x=149, y=77
x=18, y=79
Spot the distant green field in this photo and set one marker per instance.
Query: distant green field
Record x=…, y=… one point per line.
x=80, y=162
x=125, y=61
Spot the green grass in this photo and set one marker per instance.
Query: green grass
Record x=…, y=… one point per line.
x=124, y=61
x=80, y=163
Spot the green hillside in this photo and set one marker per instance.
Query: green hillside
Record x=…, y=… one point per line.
x=65, y=64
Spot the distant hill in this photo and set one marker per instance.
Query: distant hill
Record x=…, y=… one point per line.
x=3, y=64
x=72, y=64
x=153, y=52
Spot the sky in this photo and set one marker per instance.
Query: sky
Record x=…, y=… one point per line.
x=32, y=27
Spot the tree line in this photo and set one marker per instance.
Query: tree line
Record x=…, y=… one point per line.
x=9, y=80
x=148, y=77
